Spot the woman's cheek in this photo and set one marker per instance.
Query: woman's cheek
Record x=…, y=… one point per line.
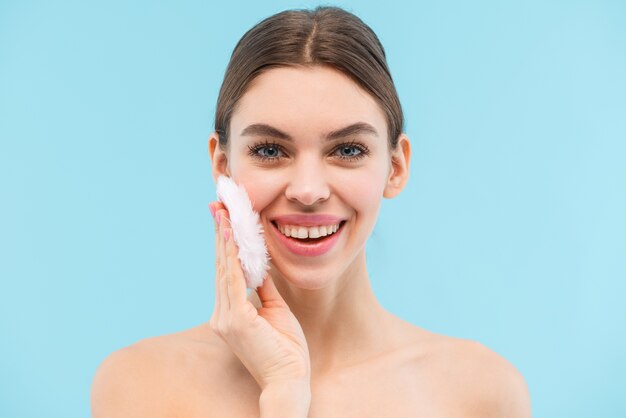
x=364, y=187
x=263, y=187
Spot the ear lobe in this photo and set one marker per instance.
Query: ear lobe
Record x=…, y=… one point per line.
x=399, y=173
x=219, y=159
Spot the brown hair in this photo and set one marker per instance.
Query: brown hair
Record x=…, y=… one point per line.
x=323, y=36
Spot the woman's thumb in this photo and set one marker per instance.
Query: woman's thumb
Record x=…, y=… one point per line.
x=269, y=295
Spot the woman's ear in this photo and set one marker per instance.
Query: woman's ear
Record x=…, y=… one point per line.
x=399, y=172
x=219, y=159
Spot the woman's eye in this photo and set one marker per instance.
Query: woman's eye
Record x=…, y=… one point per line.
x=351, y=151
x=268, y=152
x=265, y=151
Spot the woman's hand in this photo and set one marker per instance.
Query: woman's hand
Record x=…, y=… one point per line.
x=269, y=341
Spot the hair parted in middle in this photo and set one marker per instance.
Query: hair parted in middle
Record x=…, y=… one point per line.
x=327, y=36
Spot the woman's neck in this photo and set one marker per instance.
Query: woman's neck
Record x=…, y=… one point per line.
x=343, y=321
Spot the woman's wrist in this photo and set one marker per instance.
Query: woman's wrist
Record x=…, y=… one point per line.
x=285, y=399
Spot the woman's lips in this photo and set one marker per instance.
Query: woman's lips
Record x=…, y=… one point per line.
x=308, y=249
x=307, y=219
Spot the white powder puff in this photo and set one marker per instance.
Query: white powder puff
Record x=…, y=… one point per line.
x=247, y=230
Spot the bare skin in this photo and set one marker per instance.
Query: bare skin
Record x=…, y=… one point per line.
x=193, y=373
x=364, y=361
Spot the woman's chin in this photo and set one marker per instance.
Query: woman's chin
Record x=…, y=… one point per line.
x=302, y=277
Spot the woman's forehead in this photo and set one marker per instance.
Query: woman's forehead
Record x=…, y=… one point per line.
x=317, y=97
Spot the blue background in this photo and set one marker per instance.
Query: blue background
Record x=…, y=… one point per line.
x=511, y=230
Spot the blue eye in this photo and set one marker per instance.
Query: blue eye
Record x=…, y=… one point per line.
x=351, y=151
x=265, y=151
x=270, y=152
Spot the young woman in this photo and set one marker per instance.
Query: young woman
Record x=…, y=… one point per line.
x=308, y=120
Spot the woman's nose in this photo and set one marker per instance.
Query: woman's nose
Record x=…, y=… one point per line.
x=308, y=184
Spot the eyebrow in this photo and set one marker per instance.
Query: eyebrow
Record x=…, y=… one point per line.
x=262, y=129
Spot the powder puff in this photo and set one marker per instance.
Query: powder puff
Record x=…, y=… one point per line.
x=247, y=231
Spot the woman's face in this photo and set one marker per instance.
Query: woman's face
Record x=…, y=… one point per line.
x=309, y=142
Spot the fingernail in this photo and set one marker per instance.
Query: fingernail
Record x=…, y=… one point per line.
x=226, y=234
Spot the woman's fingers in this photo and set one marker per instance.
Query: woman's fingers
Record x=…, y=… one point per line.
x=230, y=283
x=216, y=308
x=269, y=295
x=235, y=276
x=222, y=268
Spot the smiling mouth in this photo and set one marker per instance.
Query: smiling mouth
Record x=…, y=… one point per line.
x=313, y=234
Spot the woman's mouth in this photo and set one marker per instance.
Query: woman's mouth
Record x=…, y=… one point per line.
x=308, y=241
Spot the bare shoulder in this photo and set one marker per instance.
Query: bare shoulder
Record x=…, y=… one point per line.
x=485, y=383
x=145, y=378
x=127, y=383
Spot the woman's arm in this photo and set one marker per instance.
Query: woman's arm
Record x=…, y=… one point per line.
x=290, y=399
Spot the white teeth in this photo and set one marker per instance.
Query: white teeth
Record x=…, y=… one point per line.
x=314, y=232
x=303, y=232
